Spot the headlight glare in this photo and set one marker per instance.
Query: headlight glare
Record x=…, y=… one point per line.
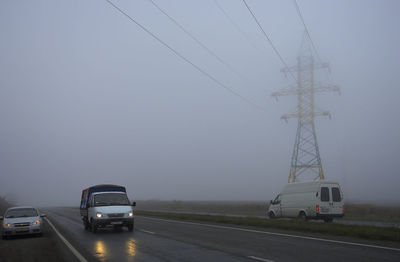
x=99, y=215
x=6, y=225
x=130, y=214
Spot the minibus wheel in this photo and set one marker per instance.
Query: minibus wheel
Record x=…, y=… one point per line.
x=93, y=227
x=86, y=224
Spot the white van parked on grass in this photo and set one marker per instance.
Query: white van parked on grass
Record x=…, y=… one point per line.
x=309, y=200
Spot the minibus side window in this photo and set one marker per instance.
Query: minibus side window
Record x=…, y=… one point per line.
x=336, y=194
x=324, y=194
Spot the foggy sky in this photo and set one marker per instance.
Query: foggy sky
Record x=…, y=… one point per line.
x=87, y=97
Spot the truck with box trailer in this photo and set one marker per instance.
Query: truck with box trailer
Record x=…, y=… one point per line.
x=106, y=206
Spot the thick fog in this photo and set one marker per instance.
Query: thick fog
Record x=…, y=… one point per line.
x=87, y=97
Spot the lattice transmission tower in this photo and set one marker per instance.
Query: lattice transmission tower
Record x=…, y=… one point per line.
x=306, y=160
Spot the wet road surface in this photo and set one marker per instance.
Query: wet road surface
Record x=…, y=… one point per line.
x=173, y=240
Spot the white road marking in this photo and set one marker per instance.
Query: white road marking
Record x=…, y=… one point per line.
x=73, y=250
x=275, y=234
x=146, y=231
x=260, y=259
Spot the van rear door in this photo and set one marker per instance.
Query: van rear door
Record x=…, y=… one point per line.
x=331, y=199
x=337, y=200
x=325, y=207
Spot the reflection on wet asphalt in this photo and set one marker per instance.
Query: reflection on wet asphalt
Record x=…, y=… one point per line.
x=131, y=247
x=110, y=244
x=100, y=250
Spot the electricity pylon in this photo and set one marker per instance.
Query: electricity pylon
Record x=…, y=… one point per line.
x=306, y=159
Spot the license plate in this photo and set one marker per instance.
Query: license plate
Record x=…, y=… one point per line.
x=324, y=209
x=116, y=223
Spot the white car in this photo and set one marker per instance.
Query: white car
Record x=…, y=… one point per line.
x=21, y=221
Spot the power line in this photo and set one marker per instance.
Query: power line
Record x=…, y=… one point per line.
x=269, y=40
x=305, y=27
x=235, y=25
x=184, y=58
x=231, y=68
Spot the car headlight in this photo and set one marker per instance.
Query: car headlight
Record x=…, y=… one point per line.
x=130, y=214
x=7, y=225
x=36, y=222
x=99, y=215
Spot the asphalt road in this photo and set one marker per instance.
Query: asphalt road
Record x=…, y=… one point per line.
x=169, y=240
x=48, y=247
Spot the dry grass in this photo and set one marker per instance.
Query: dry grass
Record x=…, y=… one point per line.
x=372, y=212
x=248, y=208
x=258, y=208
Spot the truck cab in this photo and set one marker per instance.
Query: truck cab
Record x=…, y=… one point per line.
x=106, y=206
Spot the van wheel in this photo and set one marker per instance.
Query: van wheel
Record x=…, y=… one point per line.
x=130, y=227
x=93, y=227
x=271, y=215
x=302, y=216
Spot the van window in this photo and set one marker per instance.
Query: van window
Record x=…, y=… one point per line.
x=277, y=200
x=336, y=194
x=324, y=194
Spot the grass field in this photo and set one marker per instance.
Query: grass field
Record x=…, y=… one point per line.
x=372, y=212
x=217, y=207
x=258, y=208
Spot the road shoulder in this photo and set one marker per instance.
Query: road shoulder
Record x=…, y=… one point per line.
x=33, y=248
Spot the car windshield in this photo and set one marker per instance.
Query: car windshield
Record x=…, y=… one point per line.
x=110, y=199
x=21, y=212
